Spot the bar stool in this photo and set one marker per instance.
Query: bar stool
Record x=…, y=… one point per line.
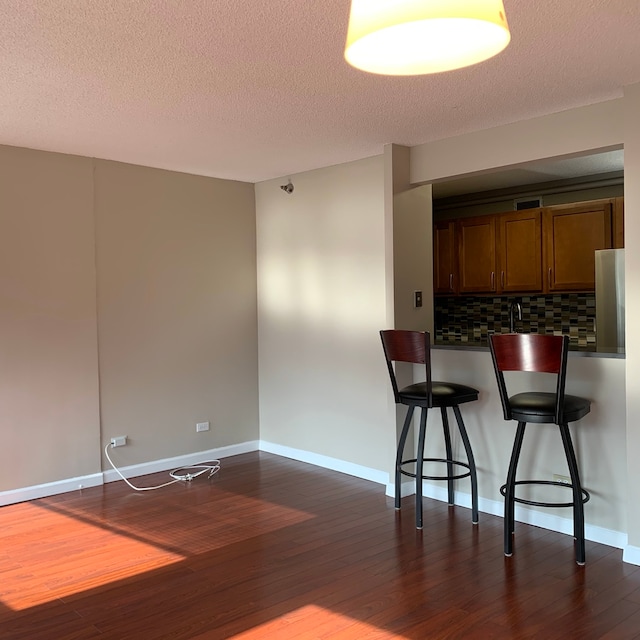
x=414, y=347
x=545, y=354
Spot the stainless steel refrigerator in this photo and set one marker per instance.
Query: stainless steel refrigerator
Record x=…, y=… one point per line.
x=610, y=300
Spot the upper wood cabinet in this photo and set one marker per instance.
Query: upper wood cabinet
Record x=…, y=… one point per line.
x=477, y=254
x=445, y=258
x=618, y=222
x=545, y=250
x=571, y=235
x=500, y=253
x=520, y=251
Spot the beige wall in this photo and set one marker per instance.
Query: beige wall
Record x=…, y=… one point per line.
x=596, y=127
x=48, y=347
x=176, y=304
x=322, y=296
x=599, y=438
x=632, y=299
x=298, y=240
x=175, y=309
x=608, y=437
x=413, y=263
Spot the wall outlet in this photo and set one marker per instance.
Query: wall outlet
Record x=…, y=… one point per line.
x=202, y=426
x=118, y=441
x=563, y=479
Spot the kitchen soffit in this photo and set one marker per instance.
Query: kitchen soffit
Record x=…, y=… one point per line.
x=607, y=164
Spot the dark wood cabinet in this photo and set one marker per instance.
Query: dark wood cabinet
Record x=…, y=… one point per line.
x=520, y=251
x=476, y=254
x=445, y=258
x=571, y=235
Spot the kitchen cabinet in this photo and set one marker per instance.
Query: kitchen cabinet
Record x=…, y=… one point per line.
x=520, y=251
x=618, y=222
x=476, y=254
x=542, y=250
x=500, y=253
x=571, y=235
x=445, y=258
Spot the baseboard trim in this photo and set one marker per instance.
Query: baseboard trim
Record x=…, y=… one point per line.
x=631, y=554
x=406, y=489
x=167, y=464
x=96, y=479
x=326, y=462
x=49, y=489
x=551, y=522
x=548, y=521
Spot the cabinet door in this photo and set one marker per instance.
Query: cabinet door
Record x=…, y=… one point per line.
x=618, y=222
x=477, y=254
x=572, y=235
x=520, y=251
x=445, y=275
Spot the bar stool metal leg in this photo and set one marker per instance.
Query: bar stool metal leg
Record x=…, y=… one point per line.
x=400, y=453
x=419, y=465
x=472, y=464
x=449, y=453
x=578, y=505
x=510, y=488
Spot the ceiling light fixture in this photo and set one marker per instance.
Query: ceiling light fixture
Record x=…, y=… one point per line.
x=413, y=37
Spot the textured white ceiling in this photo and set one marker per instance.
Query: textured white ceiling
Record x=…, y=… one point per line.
x=251, y=90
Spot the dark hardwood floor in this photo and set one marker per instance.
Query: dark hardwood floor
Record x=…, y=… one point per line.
x=275, y=549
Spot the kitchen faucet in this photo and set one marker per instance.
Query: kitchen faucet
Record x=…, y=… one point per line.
x=515, y=313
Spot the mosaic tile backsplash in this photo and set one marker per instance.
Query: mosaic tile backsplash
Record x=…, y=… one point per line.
x=469, y=320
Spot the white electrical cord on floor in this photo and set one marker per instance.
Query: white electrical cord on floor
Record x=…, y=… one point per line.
x=212, y=466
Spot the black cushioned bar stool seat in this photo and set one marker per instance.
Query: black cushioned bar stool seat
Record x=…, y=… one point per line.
x=414, y=347
x=544, y=354
x=535, y=406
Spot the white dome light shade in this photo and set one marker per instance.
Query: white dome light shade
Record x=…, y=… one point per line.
x=413, y=37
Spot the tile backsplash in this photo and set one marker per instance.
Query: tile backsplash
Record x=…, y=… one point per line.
x=469, y=320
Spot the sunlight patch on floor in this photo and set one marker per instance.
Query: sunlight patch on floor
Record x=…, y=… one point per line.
x=39, y=564
x=186, y=527
x=312, y=622
x=53, y=549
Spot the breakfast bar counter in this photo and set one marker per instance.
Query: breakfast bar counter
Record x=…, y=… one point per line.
x=599, y=438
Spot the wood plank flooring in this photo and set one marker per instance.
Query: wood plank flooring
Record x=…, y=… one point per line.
x=275, y=549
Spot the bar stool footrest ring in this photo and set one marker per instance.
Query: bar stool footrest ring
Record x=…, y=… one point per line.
x=585, y=494
x=443, y=460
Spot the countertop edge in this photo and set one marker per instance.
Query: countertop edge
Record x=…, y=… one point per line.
x=572, y=353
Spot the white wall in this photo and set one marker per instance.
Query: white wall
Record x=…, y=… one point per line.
x=322, y=299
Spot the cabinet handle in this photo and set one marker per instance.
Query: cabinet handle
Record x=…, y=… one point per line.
x=549, y=277
x=493, y=281
x=502, y=279
x=451, y=282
